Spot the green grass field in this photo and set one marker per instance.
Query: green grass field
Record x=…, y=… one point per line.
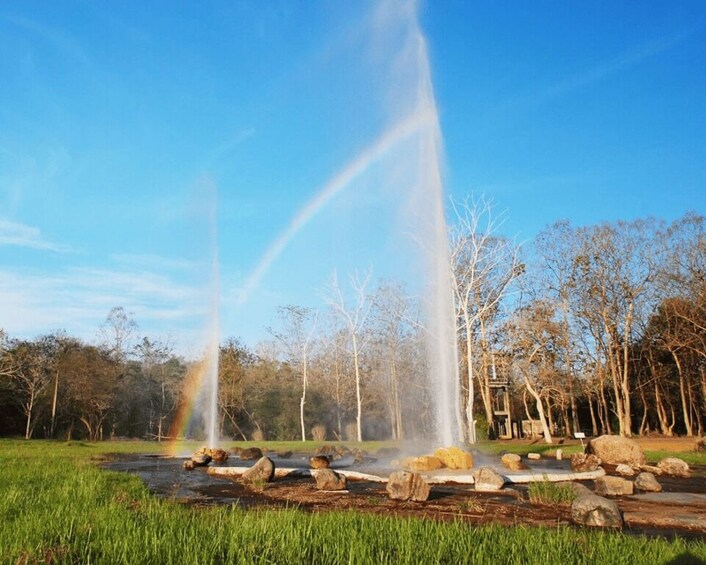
x=57, y=506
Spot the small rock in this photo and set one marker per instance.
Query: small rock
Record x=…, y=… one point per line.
x=624, y=470
x=189, y=465
x=613, y=486
x=454, y=457
x=614, y=450
x=596, y=511
x=422, y=463
x=328, y=479
x=651, y=469
x=512, y=462
x=236, y=450
x=250, y=454
x=675, y=467
x=284, y=454
x=403, y=485
x=263, y=470
x=319, y=462
x=646, y=482
x=534, y=456
x=486, y=479
x=325, y=450
x=583, y=463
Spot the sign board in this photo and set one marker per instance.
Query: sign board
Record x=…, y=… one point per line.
x=579, y=435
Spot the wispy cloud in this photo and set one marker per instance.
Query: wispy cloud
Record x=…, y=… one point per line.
x=22, y=235
x=78, y=299
x=594, y=74
x=59, y=39
x=151, y=261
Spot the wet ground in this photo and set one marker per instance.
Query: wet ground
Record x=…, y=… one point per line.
x=680, y=510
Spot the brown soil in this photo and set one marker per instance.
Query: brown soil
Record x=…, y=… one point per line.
x=667, y=443
x=511, y=506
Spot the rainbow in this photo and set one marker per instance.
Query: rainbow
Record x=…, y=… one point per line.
x=190, y=392
x=403, y=129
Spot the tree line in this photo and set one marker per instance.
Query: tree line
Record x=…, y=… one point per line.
x=599, y=328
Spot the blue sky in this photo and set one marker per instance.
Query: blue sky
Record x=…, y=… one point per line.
x=124, y=125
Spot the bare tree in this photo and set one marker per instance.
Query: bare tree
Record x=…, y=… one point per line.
x=391, y=328
x=296, y=337
x=117, y=331
x=484, y=265
x=27, y=366
x=354, y=317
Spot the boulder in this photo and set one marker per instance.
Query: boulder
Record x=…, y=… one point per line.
x=579, y=489
x=646, y=482
x=328, y=479
x=325, y=450
x=200, y=459
x=583, y=463
x=422, y=463
x=403, y=485
x=486, y=479
x=613, y=486
x=250, y=454
x=596, y=511
x=319, y=462
x=218, y=455
x=262, y=471
x=614, y=450
x=675, y=467
x=454, y=457
x=341, y=452
x=512, y=462
x=624, y=470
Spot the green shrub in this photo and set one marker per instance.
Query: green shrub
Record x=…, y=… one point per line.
x=546, y=492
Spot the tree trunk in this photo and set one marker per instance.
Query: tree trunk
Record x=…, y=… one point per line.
x=55, y=396
x=29, y=409
x=303, y=398
x=625, y=380
x=358, y=397
x=540, y=410
x=470, y=417
x=682, y=396
x=594, y=425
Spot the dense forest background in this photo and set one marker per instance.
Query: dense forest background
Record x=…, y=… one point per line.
x=595, y=328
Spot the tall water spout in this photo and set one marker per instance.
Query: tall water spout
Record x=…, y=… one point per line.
x=432, y=237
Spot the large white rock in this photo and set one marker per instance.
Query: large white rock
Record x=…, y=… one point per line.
x=613, y=486
x=596, y=511
x=614, y=450
x=486, y=479
x=675, y=467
